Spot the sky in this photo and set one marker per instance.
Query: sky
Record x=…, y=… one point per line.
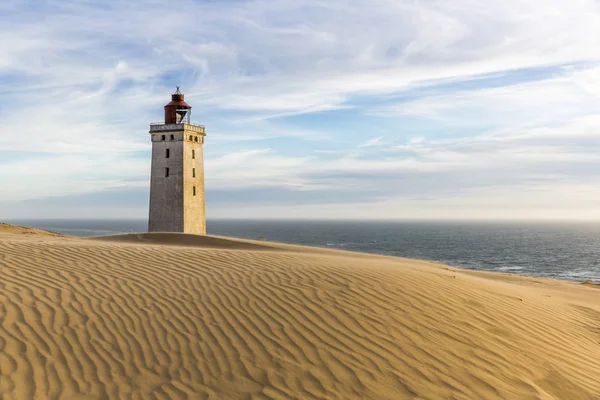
x=314, y=109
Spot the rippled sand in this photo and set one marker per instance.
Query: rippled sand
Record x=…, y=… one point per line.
x=166, y=316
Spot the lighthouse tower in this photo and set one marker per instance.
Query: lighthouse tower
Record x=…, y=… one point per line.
x=177, y=177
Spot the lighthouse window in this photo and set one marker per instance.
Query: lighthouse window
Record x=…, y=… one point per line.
x=194, y=190
x=195, y=138
x=193, y=172
x=168, y=153
x=193, y=154
x=172, y=137
x=166, y=172
x=163, y=138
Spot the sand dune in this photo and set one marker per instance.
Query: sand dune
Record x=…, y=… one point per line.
x=7, y=228
x=143, y=317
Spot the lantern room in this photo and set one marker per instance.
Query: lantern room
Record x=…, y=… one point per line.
x=177, y=111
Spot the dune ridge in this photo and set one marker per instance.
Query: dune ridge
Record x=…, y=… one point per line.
x=145, y=318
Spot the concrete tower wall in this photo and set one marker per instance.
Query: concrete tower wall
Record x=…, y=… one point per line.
x=174, y=204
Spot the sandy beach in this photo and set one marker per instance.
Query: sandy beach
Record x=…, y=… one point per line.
x=172, y=316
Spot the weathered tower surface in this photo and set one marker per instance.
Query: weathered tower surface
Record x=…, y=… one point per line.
x=177, y=178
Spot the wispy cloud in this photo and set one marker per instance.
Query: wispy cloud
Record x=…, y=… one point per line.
x=371, y=142
x=569, y=94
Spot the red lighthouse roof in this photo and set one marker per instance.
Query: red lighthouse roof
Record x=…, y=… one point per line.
x=177, y=111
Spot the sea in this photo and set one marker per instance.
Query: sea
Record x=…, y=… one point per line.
x=566, y=250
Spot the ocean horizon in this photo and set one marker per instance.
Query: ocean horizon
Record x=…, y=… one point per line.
x=557, y=250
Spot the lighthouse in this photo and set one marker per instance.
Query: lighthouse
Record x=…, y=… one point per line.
x=177, y=175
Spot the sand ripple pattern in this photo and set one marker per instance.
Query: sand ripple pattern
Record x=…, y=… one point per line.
x=84, y=319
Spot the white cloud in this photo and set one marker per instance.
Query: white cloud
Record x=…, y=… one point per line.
x=64, y=175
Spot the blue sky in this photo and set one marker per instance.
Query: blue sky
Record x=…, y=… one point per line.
x=314, y=109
